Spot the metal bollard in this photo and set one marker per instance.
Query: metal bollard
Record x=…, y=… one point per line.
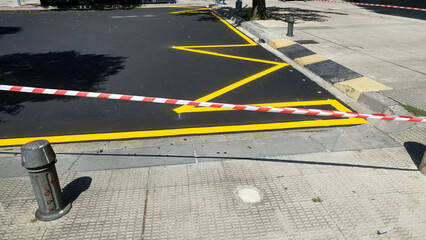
x=39, y=159
x=238, y=7
x=17, y=3
x=290, y=20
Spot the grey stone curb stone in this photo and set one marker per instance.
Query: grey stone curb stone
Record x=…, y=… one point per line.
x=328, y=70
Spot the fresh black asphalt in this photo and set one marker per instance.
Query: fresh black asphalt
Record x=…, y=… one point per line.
x=130, y=52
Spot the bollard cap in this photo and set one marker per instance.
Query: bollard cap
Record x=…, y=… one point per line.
x=37, y=154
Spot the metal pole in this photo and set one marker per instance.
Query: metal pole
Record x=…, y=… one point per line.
x=290, y=20
x=238, y=7
x=39, y=159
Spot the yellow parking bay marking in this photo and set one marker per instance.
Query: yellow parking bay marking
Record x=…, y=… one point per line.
x=226, y=89
x=278, y=65
x=334, y=103
x=182, y=131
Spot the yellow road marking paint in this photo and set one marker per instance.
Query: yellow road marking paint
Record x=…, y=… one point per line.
x=193, y=10
x=183, y=131
x=314, y=58
x=251, y=42
x=354, y=87
x=184, y=48
x=334, y=103
x=229, y=88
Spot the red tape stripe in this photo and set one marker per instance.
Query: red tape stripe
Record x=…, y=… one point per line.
x=301, y=111
x=372, y=4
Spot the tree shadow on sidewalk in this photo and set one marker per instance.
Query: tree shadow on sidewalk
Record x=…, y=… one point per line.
x=306, y=15
x=279, y=13
x=73, y=190
x=59, y=70
x=416, y=151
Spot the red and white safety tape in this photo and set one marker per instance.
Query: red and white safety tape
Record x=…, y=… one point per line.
x=372, y=4
x=301, y=111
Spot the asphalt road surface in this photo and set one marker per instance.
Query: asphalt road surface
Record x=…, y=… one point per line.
x=178, y=53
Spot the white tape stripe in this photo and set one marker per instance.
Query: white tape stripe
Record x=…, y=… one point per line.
x=115, y=96
x=208, y=104
x=203, y=104
x=136, y=98
x=49, y=91
x=251, y=108
x=93, y=94
x=228, y=106
x=182, y=102
x=5, y=87
x=160, y=100
x=27, y=89
x=71, y=93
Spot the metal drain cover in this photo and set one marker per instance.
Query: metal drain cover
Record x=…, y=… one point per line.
x=306, y=42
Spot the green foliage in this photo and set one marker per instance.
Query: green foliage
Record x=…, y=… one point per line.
x=415, y=111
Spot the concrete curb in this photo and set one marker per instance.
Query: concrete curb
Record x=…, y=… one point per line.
x=353, y=84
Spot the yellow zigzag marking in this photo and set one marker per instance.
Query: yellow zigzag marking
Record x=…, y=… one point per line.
x=196, y=49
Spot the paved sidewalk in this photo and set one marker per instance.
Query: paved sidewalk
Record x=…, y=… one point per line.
x=321, y=184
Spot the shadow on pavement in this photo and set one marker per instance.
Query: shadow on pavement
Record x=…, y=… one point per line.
x=202, y=16
x=224, y=158
x=213, y=158
x=397, y=12
x=416, y=151
x=59, y=70
x=280, y=13
x=301, y=14
x=73, y=190
x=9, y=30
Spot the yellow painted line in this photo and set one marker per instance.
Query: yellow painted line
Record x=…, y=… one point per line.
x=314, y=58
x=251, y=42
x=215, y=46
x=182, y=131
x=279, y=43
x=332, y=102
x=354, y=87
x=193, y=10
x=229, y=88
x=184, y=48
x=169, y=7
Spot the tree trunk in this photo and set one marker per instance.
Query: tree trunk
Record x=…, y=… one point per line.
x=259, y=9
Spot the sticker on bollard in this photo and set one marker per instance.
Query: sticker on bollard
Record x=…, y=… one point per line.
x=39, y=159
